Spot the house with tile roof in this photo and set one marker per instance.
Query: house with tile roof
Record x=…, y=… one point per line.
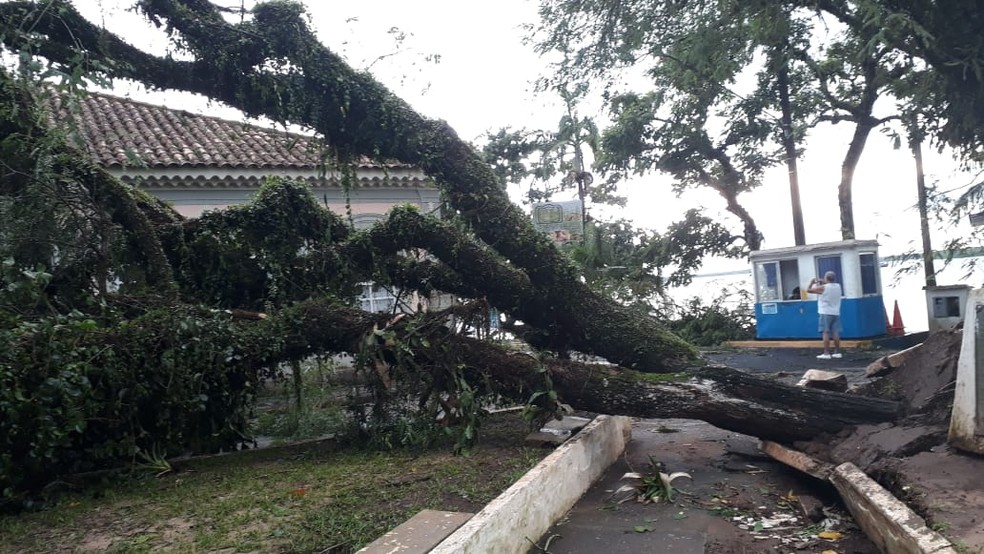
x=198, y=163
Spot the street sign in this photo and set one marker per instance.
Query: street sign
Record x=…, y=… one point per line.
x=561, y=221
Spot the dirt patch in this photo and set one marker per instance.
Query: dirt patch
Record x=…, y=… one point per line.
x=911, y=457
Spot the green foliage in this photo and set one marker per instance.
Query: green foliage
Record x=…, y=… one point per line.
x=707, y=124
x=273, y=251
x=714, y=323
x=48, y=220
x=424, y=392
x=949, y=88
x=636, y=266
x=653, y=486
x=551, y=161
x=74, y=400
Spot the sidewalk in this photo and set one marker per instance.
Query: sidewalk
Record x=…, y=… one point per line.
x=732, y=485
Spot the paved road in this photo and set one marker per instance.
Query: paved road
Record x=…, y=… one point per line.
x=793, y=362
x=730, y=479
x=735, y=501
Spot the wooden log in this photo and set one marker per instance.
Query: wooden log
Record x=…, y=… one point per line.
x=887, y=364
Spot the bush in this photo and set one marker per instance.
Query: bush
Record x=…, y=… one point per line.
x=714, y=323
x=75, y=397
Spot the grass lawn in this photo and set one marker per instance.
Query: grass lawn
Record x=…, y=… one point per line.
x=309, y=498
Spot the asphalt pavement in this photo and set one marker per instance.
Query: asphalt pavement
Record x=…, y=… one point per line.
x=724, y=468
x=791, y=363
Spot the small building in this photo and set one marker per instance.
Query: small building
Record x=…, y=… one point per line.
x=781, y=276
x=946, y=305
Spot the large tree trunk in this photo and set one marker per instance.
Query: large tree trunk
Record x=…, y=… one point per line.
x=844, y=197
x=724, y=397
x=915, y=144
x=865, y=122
x=789, y=146
x=361, y=117
x=509, y=262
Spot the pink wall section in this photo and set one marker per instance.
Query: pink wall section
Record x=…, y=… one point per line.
x=375, y=208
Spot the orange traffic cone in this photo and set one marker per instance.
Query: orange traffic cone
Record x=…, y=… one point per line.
x=888, y=324
x=898, y=329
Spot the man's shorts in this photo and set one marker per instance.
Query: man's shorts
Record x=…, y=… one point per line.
x=830, y=323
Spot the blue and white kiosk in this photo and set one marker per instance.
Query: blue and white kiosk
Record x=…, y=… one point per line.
x=783, y=310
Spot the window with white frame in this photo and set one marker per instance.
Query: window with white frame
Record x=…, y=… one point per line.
x=869, y=273
x=767, y=281
x=376, y=298
x=830, y=263
x=777, y=280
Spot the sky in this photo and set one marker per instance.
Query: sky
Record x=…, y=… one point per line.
x=484, y=81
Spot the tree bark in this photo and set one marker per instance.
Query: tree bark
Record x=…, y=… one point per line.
x=915, y=143
x=724, y=397
x=361, y=117
x=789, y=145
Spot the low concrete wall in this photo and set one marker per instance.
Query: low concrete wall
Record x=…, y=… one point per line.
x=889, y=523
x=526, y=510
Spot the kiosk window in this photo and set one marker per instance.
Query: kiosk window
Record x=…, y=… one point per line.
x=774, y=279
x=869, y=274
x=767, y=277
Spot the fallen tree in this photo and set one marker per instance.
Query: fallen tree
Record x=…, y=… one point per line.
x=180, y=282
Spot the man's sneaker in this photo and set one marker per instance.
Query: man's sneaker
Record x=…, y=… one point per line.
x=837, y=355
x=824, y=357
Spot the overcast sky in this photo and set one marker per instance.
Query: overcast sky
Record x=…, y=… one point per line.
x=483, y=81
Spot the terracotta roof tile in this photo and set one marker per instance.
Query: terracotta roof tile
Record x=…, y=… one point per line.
x=120, y=132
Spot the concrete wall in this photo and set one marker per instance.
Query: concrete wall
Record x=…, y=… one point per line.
x=967, y=418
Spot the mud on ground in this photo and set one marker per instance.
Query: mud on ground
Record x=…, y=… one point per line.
x=911, y=457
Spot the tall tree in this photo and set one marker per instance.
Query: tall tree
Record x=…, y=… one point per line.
x=617, y=259
x=186, y=311
x=816, y=62
x=944, y=36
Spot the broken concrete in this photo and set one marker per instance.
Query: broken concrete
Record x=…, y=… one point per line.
x=967, y=418
x=555, y=432
x=888, y=522
x=528, y=508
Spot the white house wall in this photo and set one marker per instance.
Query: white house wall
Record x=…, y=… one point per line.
x=192, y=202
x=377, y=191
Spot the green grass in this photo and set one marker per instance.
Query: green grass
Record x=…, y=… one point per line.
x=315, y=498
x=318, y=496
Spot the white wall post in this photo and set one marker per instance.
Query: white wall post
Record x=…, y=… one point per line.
x=967, y=418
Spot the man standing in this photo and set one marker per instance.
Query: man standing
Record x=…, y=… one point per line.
x=829, y=308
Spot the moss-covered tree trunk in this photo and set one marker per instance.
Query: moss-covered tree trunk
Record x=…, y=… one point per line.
x=724, y=397
x=359, y=116
x=506, y=260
